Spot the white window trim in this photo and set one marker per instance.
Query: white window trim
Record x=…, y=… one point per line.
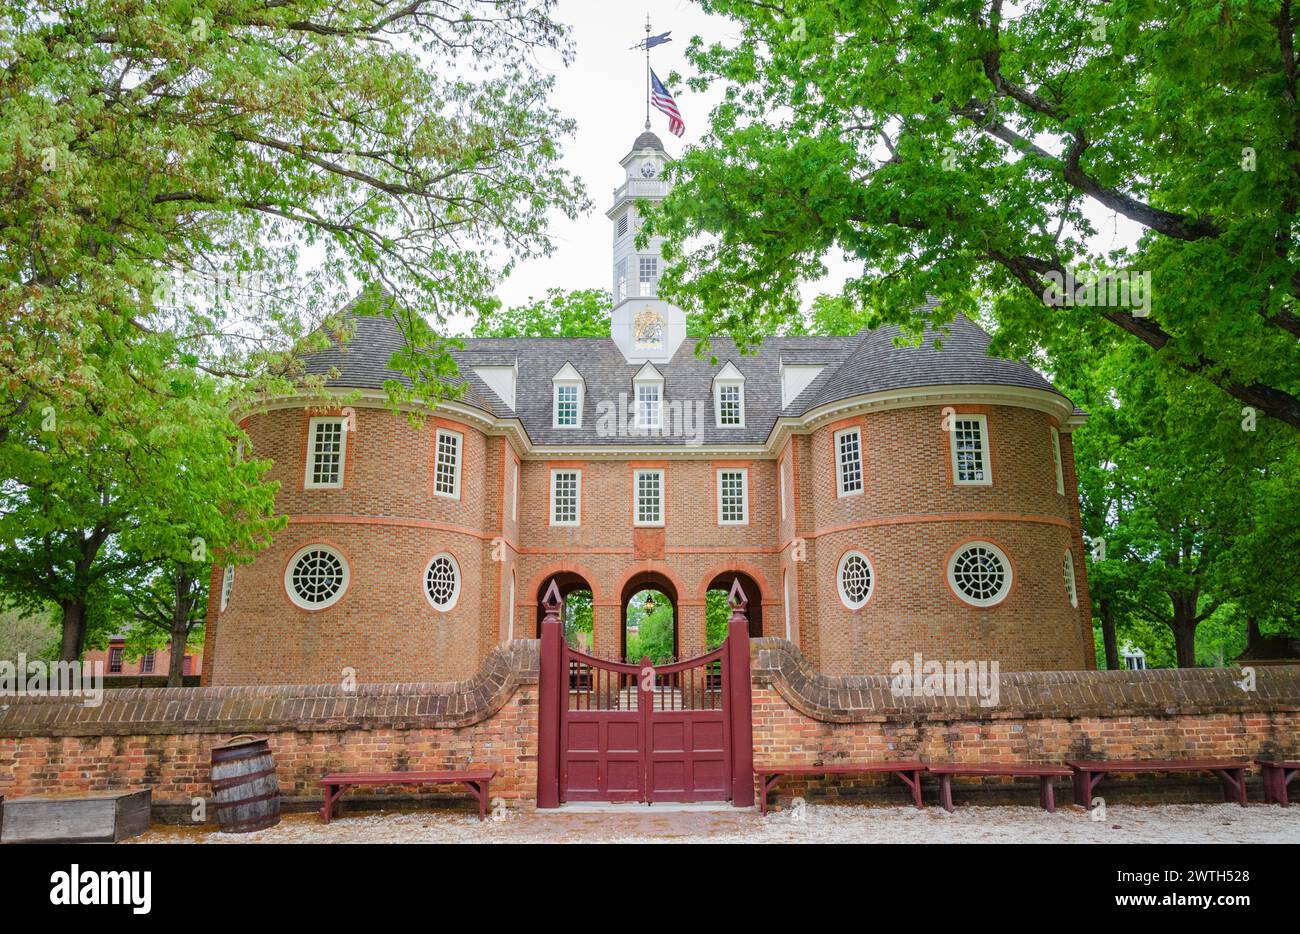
x=460, y=459
x=636, y=497
x=840, y=492
x=288, y=578
x=1071, y=581
x=1056, y=461
x=984, y=449
x=717, y=402
x=455, y=593
x=227, y=586
x=952, y=577
x=577, y=496
x=839, y=580
x=658, y=385
x=555, y=402
x=311, y=452
x=744, y=495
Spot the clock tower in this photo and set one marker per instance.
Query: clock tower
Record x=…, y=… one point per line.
x=645, y=327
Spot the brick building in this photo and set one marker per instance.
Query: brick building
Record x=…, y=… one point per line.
x=157, y=663
x=874, y=501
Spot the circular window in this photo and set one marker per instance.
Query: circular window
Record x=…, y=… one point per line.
x=980, y=573
x=442, y=582
x=1070, y=590
x=316, y=577
x=227, y=585
x=855, y=579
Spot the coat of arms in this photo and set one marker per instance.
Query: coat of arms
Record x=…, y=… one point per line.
x=648, y=327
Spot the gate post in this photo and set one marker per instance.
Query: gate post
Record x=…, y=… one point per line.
x=739, y=701
x=552, y=684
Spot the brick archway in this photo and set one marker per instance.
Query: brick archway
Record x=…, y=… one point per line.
x=721, y=576
x=568, y=578
x=649, y=580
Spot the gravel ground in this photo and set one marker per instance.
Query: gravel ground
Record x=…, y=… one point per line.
x=1173, y=823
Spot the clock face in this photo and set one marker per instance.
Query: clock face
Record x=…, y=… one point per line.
x=647, y=170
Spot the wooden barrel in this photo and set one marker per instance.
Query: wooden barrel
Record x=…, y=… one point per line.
x=244, y=787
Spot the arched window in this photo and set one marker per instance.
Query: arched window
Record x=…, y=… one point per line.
x=317, y=577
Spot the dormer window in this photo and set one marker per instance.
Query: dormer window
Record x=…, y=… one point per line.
x=568, y=398
x=648, y=386
x=729, y=397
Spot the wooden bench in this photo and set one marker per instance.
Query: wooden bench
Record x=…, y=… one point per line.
x=1088, y=773
x=1044, y=772
x=1277, y=775
x=909, y=772
x=476, y=780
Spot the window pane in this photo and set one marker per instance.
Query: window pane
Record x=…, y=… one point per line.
x=968, y=436
x=564, y=497
x=729, y=409
x=447, y=469
x=850, y=461
x=732, y=494
x=649, y=496
x=327, y=453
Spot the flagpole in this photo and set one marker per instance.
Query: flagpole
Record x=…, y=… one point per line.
x=647, y=71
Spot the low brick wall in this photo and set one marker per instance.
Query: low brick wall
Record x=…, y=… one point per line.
x=801, y=716
x=164, y=736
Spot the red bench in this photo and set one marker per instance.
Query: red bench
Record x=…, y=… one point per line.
x=1277, y=775
x=475, y=779
x=1044, y=772
x=1088, y=773
x=909, y=772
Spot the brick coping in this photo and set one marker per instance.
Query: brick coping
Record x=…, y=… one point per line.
x=275, y=708
x=780, y=664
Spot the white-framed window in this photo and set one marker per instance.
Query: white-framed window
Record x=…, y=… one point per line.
x=620, y=226
x=1056, y=461
x=316, y=577
x=848, y=461
x=649, y=274
x=649, y=405
x=566, y=497
x=227, y=586
x=327, y=441
x=855, y=578
x=780, y=486
x=620, y=280
x=729, y=401
x=980, y=573
x=446, y=465
x=514, y=491
x=649, y=485
x=442, y=582
x=1071, y=590
x=568, y=405
x=970, y=450
x=733, y=496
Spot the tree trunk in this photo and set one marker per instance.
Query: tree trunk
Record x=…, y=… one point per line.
x=180, y=628
x=1184, y=624
x=74, y=630
x=1253, y=636
x=1108, y=634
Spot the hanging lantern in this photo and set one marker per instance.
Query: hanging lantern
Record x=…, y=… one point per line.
x=649, y=603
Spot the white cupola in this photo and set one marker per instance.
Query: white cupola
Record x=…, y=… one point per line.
x=644, y=326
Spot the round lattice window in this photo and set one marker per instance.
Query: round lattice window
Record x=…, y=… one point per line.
x=227, y=585
x=442, y=582
x=980, y=573
x=316, y=577
x=855, y=579
x=1070, y=590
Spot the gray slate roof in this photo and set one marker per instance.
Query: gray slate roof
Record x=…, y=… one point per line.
x=864, y=363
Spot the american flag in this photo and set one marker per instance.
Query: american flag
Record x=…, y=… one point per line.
x=662, y=100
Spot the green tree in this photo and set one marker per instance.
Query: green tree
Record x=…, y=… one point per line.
x=562, y=313
x=951, y=149
x=130, y=478
x=169, y=610
x=28, y=632
x=176, y=168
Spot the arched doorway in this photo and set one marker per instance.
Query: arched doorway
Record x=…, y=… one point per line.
x=576, y=611
x=650, y=619
x=717, y=611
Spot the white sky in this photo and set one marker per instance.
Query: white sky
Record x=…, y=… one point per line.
x=603, y=89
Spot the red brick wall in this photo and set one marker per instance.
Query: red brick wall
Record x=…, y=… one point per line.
x=909, y=518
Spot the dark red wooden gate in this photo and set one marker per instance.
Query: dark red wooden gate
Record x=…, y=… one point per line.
x=612, y=731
